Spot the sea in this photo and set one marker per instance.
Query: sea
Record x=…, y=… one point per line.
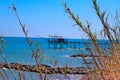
x=17, y=50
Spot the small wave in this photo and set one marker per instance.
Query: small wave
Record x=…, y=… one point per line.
x=7, y=68
x=4, y=68
x=85, y=57
x=67, y=56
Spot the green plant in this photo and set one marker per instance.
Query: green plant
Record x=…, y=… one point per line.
x=4, y=75
x=104, y=68
x=36, y=54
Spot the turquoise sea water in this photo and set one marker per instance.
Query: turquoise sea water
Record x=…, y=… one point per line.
x=18, y=51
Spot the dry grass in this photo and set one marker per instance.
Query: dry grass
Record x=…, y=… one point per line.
x=109, y=71
x=104, y=68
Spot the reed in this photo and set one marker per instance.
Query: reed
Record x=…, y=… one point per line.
x=104, y=68
x=4, y=75
x=36, y=51
x=36, y=54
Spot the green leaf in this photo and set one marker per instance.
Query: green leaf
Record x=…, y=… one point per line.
x=43, y=68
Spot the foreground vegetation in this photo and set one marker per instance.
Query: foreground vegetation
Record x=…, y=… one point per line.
x=104, y=68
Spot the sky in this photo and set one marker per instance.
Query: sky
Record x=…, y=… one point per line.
x=48, y=17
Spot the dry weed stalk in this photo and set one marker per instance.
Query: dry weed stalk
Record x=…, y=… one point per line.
x=35, y=52
x=2, y=45
x=104, y=68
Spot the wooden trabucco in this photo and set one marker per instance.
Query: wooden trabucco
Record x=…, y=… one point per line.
x=58, y=42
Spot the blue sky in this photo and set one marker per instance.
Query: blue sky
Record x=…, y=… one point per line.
x=48, y=17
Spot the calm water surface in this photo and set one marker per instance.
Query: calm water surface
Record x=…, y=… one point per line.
x=17, y=50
